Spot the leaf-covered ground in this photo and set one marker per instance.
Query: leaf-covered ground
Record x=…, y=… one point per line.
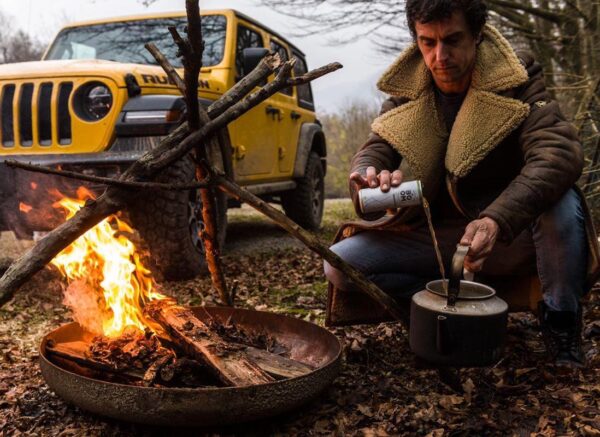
x=379, y=391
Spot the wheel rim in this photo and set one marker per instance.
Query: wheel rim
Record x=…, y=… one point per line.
x=195, y=223
x=317, y=200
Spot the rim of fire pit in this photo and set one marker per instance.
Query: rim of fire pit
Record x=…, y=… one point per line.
x=205, y=406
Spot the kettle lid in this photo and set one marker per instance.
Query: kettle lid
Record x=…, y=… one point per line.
x=468, y=290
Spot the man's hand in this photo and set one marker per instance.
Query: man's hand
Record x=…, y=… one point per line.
x=385, y=179
x=481, y=236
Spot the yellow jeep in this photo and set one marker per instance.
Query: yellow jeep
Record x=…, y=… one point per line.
x=97, y=100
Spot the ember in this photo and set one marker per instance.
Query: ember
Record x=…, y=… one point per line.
x=23, y=207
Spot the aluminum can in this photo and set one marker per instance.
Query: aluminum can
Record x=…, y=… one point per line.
x=405, y=194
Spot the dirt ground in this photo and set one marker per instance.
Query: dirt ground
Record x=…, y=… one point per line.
x=379, y=391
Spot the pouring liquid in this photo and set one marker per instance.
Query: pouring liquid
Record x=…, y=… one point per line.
x=436, y=246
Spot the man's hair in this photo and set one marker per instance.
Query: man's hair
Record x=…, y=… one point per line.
x=426, y=11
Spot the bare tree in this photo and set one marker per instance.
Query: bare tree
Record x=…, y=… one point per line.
x=346, y=131
x=16, y=45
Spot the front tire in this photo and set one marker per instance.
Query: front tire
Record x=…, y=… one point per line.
x=170, y=221
x=304, y=205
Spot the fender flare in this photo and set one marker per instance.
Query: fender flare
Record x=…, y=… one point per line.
x=311, y=138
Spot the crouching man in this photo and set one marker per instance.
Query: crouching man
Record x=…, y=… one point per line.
x=471, y=119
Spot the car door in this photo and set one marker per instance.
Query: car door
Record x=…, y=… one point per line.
x=253, y=135
x=289, y=119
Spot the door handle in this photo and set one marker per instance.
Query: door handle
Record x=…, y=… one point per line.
x=274, y=112
x=295, y=115
x=240, y=152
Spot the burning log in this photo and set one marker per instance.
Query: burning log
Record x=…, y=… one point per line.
x=78, y=352
x=230, y=361
x=78, y=357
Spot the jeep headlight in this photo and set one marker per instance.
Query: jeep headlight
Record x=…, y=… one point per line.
x=93, y=101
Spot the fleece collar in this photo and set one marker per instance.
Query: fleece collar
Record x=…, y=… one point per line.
x=485, y=119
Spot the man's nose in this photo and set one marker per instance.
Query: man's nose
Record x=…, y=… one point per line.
x=441, y=52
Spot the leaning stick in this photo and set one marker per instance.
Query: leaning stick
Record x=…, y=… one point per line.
x=192, y=49
x=106, y=181
x=169, y=69
x=312, y=242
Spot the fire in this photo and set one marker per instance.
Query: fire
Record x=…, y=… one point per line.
x=105, y=259
x=23, y=207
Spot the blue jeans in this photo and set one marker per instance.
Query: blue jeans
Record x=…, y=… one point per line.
x=402, y=263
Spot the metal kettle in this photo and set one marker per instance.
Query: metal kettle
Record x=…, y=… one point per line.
x=463, y=327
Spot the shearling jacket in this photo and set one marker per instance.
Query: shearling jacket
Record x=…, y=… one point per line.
x=510, y=155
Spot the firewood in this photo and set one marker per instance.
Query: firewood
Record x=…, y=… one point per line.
x=276, y=365
x=230, y=362
x=78, y=352
x=153, y=371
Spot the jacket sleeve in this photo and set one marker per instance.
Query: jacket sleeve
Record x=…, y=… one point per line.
x=553, y=159
x=378, y=153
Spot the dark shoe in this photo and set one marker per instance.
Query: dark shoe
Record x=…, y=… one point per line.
x=561, y=331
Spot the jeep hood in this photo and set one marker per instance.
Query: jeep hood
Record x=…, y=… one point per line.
x=81, y=68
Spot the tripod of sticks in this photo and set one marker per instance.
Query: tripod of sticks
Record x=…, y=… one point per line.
x=200, y=129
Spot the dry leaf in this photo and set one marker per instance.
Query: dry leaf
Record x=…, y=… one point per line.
x=366, y=410
x=448, y=402
x=468, y=387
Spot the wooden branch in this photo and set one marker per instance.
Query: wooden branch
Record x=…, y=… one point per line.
x=192, y=50
x=77, y=352
x=276, y=365
x=106, y=181
x=166, y=65
x=209, y=235
x=312, y=242
x=265, y=68
x=173, y=147
x=312, y=75
x=545, y=14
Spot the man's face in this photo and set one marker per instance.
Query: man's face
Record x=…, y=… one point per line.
x=448, y=49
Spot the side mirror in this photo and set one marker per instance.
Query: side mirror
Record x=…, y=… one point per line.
x=251, y=58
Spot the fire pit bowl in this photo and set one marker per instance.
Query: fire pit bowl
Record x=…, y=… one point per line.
x=307, y=343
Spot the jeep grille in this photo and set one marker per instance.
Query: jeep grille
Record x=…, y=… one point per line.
x=35, y=114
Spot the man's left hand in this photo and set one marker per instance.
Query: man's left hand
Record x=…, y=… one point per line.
x=481, y=235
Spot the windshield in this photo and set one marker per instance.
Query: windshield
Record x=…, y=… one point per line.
x=124, y=41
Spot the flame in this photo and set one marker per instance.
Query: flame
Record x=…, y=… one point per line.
x=23, y=207
x=33, y=185
x=108, y=261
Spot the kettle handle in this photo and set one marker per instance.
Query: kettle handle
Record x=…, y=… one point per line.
x=456, y=272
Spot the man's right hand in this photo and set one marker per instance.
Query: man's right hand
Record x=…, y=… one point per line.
x=385, y=179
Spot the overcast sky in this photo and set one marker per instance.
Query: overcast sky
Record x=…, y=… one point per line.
x=362, y=65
